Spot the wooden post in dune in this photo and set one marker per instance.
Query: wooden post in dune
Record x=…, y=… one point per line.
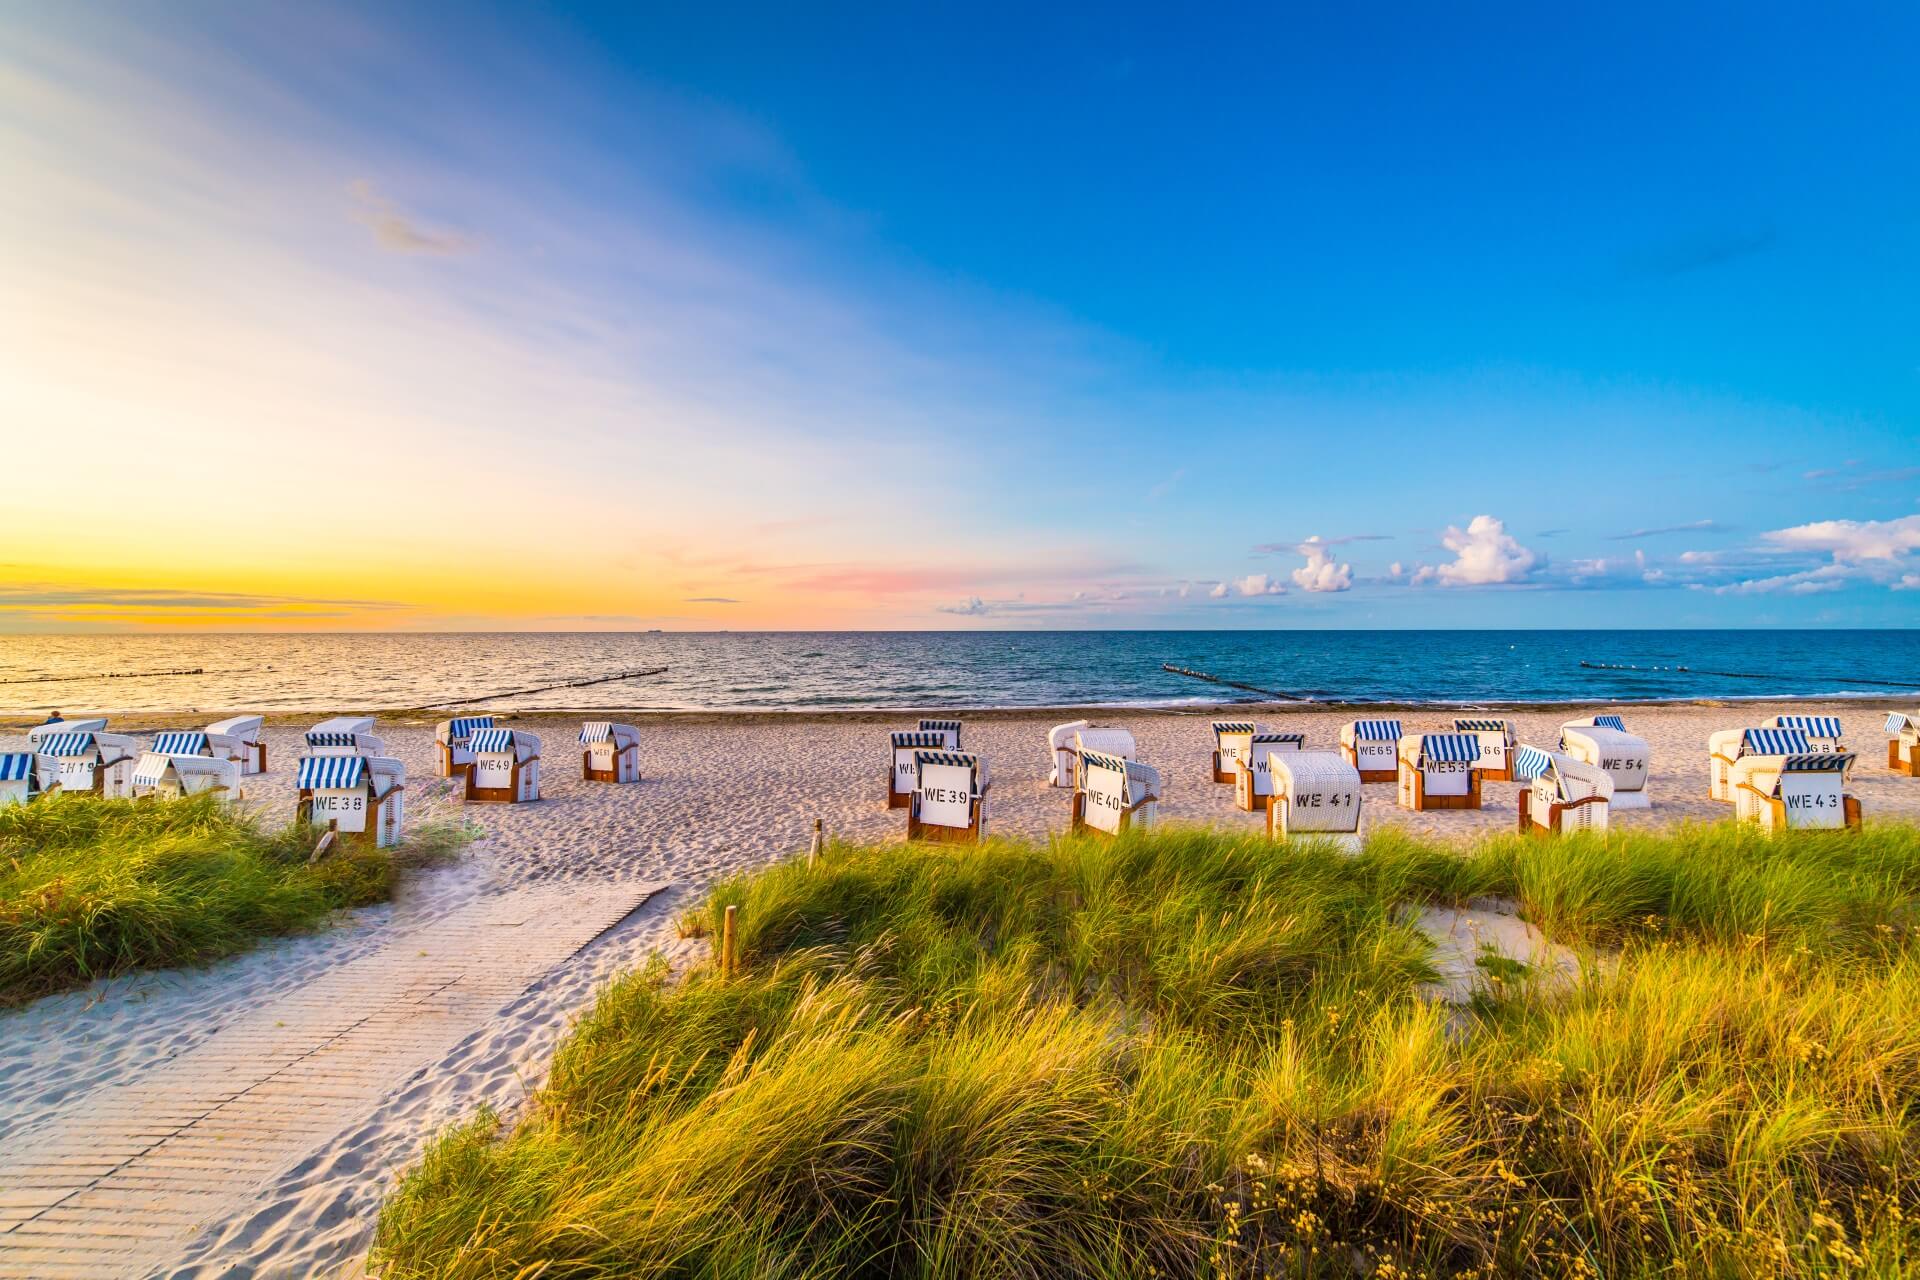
x=727, y=959
x=813, y=850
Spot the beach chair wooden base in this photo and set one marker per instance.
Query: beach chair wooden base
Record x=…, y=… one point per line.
x=1079, y=824
x=1220, y=775
x=1368, y=775
x=1414, y=795
x=259, y=756
x=509, y=794
x=590, y=774
x=898, y=799
x=1554, y=823
x=1907, y=762
x=1496, y=775
x=969, y=834
x=1244, y=796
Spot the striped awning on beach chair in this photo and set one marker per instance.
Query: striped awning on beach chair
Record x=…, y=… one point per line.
x=902, y=739
x=331, y=773
x=66, y=744
x=1232, y=726
x=16, y=766
x=1095, y=760
x=1818, y=762
x=152, y=769
x=1812, y=726
x=1898, y=723
x=1378, y=730
x=1773, y=742
x=1464, y=725
x=1449, y=748
x=1529, y=763
x=1277, y=739
x=180, y=744
x=596, y=731
x=485, y=740
x=331, y=739
x=1610, y=722
x=464, y=725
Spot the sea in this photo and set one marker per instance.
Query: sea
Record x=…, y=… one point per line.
x=799, y=671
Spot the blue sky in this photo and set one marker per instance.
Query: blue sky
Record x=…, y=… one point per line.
x=973, y=316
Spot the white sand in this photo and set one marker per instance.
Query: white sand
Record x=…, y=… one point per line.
x=720, y=795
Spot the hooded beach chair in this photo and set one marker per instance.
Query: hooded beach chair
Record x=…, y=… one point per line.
x=1315, y=793
x=1114, y=794
x=1067, y=741
x=165, y=776
x=949, y=797
x=1253, y=776
x=609, y=752
x=1560, y=794
x=344, y=736
x=902, y=772
x=453, y=742
x=357, y=797
x=85, y=761
x=1439, y=771
x=1372, y=747
x=1496, y=745
x=89, y=724
x=1727, y=747
x=949, y=731
x=18, y=781
x=506, y=766
x=241, y=738
x=1603, y=741
x=1800, y=792
x=1232, y=742
x=1903, y=744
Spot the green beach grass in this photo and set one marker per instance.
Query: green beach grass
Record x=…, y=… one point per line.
x=91, y=888
x=1188, y=1054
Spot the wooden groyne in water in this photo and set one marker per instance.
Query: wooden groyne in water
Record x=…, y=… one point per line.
x=1210, y=678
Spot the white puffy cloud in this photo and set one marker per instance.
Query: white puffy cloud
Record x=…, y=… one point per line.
x=1219, y=591
x=1908, y=582
x=1320, y=573
x=971, y=607
x=1852, y=541
x=1259, y=584
x=1485, y=554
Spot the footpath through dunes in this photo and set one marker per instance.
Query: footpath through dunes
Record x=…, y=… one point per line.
x=248, y=1119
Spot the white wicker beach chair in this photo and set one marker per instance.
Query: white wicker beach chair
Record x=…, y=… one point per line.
x=1497, y=742
x=1253, y=775
x=357, y=797
x=609, y=752
x=19, y=782
x=1437, y=771
x=1372, y=747
x=1803, y=791
x=453, y=742
x=1903, y=744
x=86, y=761
x=1232, y=743
x=168, y=777
x=1067, y=741
x=1560, y=794
x=949, y=731
x=343, y=736
x=902, y=773
x=241, y=738
x=1603, y=741
x=1114, y=794
x=949, y=797
x=506, y=766
x=1727, y=747
x=1315, y=793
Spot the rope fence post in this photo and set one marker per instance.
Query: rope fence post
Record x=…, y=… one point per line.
x=728, y=960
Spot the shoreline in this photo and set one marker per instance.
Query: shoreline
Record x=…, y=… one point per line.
x=19, y=720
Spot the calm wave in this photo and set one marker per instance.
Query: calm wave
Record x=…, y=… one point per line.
x=798, y=670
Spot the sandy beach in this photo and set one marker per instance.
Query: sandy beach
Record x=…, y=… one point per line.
x=720, y=794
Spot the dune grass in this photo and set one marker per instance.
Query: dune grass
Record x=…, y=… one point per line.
x=91, y=888
x=1188, y=1054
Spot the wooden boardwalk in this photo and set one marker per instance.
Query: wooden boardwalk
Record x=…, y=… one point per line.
x=118, y=1182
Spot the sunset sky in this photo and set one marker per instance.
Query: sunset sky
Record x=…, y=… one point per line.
x=446, y=317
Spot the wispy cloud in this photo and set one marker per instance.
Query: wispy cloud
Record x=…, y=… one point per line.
x=394, y=230
x=709, y=600
x=1696, y=252
x=1692, y=526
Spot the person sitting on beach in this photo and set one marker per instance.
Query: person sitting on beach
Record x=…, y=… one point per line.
x=55, y=718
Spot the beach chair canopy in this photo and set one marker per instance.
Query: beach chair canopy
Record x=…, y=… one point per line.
x=331, y=773
x=954, y=759
x=1378, y=730
x=16, y=766
x=607, y=731
x=1112, y=742
x=1448, y=748
x=1143, y=781
x=40, y=731
x=152, y=769
x=1812, y=726
x=1221, y=728
x=180, y=744
x=345, y=724
x=1818, y=762
x=1569, y=779
x=949, y=728
x=1295, y=740
x=1463, y=724
x=488, y=740
x=238, y=726
x=1310, y=770
x=65, y=744
x=1060, y=736
x=1774, y=742
x=1898, y=723
x=913, y=739
x=1529, y=763
x=463, y=726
